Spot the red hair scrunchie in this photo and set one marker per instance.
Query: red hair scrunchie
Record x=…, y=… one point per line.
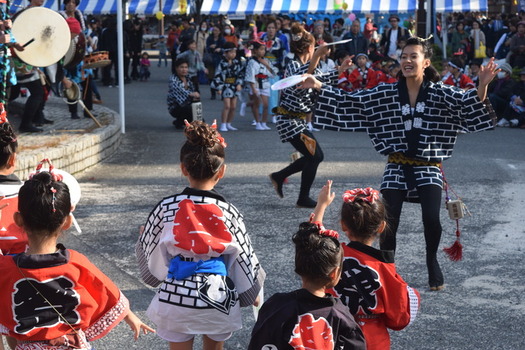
x=367, y=194
x=322, y=230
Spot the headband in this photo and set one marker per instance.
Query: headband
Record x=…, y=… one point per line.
x=322, y=230
x=454, y=66
x=367, y=194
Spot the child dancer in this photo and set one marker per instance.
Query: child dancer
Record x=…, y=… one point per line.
x=53, y=297
x=456, y=77
x=376, y=295
x=144, y=67
x=13, y=239
x=228, y=83
x=258, y=73
x=195, y=246
x=309, y=318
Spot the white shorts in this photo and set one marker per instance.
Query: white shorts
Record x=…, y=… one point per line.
x=176, y=337
x=263, y=92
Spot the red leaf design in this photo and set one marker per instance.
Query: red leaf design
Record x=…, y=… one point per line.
x=200, y=228
x=311, y=334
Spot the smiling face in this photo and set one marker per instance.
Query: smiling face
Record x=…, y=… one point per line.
x=413, y=61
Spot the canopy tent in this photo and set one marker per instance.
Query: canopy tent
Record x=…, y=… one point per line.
x=461, y=5
x=251, y=7
x=103, y=7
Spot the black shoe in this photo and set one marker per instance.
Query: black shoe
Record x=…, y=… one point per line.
x=277, y=184
x=435, y=276
x=75, y=116
x=306, y=203
x=29, y=129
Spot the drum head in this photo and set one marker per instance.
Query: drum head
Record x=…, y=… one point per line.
x=50, y=33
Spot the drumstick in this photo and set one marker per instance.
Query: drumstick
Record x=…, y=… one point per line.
x=89, y=113
x=29, y=42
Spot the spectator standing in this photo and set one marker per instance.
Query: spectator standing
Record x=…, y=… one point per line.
x=370, y=31
x=392, y=36
x=187, y=33
x=478, y=39
x=517, y=47
x=201, y=36
x=163, y=50
x=173, y=43
x=135, y=47
x=339, y=29
x=460, y=39
x=358, y=44
x=214, y=44
x=195, y=64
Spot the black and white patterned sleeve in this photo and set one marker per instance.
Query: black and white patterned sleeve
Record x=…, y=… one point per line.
x=342, y=111
x=331, y=78
x=251, y=67
x=177, y=95
x=148, y=244
x=219, y=78
x=240, y=73
x=473, y=114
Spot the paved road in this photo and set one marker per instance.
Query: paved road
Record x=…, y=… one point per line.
x=483, y=305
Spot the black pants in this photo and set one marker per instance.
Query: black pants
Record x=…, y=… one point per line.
x=86, y=96
x=34, y=104
x=181, y=113
x=430, y=197
x=307, y=164
x=106, y=71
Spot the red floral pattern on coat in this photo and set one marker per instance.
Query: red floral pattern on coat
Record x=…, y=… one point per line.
x=312, y=334
x=200, y=228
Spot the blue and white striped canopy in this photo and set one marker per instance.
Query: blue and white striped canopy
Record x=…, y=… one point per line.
x=103, y=7
x=249, y=7
x=461, y=5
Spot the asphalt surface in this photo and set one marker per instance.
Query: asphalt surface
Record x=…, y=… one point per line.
x=483, y=305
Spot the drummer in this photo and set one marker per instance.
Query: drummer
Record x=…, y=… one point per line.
x=79, y=75
x=29, y=77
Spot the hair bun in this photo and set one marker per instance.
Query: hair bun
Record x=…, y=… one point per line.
x=199, y=133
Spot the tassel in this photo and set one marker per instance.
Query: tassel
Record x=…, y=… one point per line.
x=455, y=251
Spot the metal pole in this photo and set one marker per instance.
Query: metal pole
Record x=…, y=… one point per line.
x=161, y=26
x=120, y=43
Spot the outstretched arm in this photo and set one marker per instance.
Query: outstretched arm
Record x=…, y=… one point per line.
x=486, y=74
x=325, y=198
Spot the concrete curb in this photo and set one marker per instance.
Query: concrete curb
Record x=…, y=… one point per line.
x=71, y=152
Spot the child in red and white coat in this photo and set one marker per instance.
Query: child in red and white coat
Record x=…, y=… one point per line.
x=376, y=295
x=362, y=77
x=456, y=77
